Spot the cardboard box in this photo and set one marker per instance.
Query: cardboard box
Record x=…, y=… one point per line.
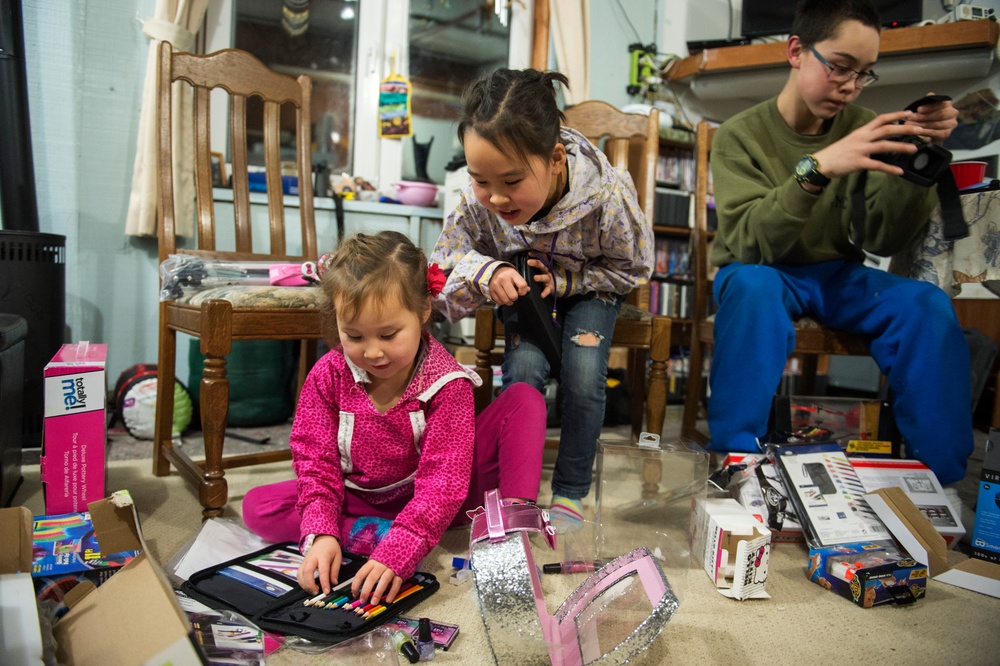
x=761, y=492
x=915, y=533
x=986, y=534
x=870, y=573
x=73, y=468
x=65, y=553
x=920, y=485
x=734, y=547
x=133, y=618
x=20, y=633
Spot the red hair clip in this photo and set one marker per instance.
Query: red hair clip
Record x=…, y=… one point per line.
x=435, y=279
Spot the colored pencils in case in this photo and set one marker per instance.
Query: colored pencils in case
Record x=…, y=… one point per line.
x=380, y=609
x=407, y=592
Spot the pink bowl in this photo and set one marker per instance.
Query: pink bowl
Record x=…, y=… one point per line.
x=968, y=173
x=413, y=193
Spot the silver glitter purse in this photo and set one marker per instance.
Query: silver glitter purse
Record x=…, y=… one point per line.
x=519, y=627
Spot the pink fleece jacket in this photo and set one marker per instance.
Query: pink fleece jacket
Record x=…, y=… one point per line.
x=420, y=450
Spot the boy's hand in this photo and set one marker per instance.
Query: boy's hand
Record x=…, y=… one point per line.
x=507, y=285
x=375, y=582
x=854, y=152
x=548, y=284
x=324, y=556
x=937, y=119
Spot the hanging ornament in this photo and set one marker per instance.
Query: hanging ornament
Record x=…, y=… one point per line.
x=394, y=106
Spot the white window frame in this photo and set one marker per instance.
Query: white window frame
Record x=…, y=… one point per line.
x=383, y=24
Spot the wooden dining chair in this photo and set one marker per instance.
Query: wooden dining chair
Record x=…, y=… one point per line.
x=811, y=339
x=630, y=141
x=221, y=315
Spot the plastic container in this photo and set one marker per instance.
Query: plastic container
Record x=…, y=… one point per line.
x=413, y=193
x=968, y=173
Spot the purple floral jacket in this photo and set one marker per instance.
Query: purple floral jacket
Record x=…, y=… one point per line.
x=595, y=239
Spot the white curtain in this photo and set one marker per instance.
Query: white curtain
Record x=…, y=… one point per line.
x=570, y=27
x=177, y=22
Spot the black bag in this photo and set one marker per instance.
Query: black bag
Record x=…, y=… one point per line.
x=537, y=316
x=262, y=587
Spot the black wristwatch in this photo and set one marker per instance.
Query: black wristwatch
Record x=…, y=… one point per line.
x=807, y=171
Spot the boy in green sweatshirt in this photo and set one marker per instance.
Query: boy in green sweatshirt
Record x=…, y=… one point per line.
x=784, y=172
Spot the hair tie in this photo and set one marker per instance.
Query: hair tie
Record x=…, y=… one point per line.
x=435, y=279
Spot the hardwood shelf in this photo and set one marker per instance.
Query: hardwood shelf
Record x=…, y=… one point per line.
x=959, y=36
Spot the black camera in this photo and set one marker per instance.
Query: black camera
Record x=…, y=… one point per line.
x=925, y=166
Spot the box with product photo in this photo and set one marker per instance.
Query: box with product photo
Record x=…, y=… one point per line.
x=861, y=427
x=986, y=534
x=851, y=551
x=922, y=541
x=65, y=553
x=72, y=463
x=92, y=630
x=733, y=547
x=759, y=489
x=920, y=484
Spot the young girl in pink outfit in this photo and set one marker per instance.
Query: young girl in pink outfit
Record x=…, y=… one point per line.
x=385, y=428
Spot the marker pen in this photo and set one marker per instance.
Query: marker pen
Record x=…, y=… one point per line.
x=576, y=566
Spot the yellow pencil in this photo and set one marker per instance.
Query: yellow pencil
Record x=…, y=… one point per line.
x=372, y=613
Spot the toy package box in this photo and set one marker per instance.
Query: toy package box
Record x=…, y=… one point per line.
x=72, y=463
x=986, y=534
x=645, y=491
x=861, y=427
x=65, y=553
x=920, y=484
x=734, y=547
x=868, y=573
x=759, y=489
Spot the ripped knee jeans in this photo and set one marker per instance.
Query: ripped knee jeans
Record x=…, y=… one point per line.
x=588, y=323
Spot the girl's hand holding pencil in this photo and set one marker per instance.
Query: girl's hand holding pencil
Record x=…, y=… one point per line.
x=325, y=557
x=376, y=581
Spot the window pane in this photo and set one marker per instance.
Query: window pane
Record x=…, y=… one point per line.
x=317, y=38
x=452, y=42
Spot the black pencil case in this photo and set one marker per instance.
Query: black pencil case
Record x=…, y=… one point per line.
x=262, y=586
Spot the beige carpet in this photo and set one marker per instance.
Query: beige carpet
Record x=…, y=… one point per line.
x=801, y=623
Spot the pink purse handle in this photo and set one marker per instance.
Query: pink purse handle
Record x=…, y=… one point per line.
x=494, y=520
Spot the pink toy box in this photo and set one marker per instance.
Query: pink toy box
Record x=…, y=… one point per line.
x=72, y=463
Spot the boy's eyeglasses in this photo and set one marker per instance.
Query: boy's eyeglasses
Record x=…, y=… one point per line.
x=839, y=74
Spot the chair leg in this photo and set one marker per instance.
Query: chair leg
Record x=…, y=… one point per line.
x=692, y=393
x=635, y=378
x=162, y=430
x=483, y=342
x=216, y=344
x=659, y=355
x=810, y=366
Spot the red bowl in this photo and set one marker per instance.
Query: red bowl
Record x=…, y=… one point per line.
x=968, y=173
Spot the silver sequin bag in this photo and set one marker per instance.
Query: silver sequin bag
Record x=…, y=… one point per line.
x=519, y=627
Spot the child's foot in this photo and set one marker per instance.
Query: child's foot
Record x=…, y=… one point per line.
x=565, y=514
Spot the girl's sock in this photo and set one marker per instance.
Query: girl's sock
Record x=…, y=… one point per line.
x=565, y=514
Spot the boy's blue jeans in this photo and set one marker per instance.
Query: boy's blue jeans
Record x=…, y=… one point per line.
x=583, y=381
x=910, y=328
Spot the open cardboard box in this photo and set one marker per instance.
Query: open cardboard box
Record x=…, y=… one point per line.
x=923, y=542
x=102, y=625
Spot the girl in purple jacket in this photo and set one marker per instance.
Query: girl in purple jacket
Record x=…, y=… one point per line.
x=385, y=430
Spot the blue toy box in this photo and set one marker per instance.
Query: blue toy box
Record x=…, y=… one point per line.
x=986, y=535
x=868, y=573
